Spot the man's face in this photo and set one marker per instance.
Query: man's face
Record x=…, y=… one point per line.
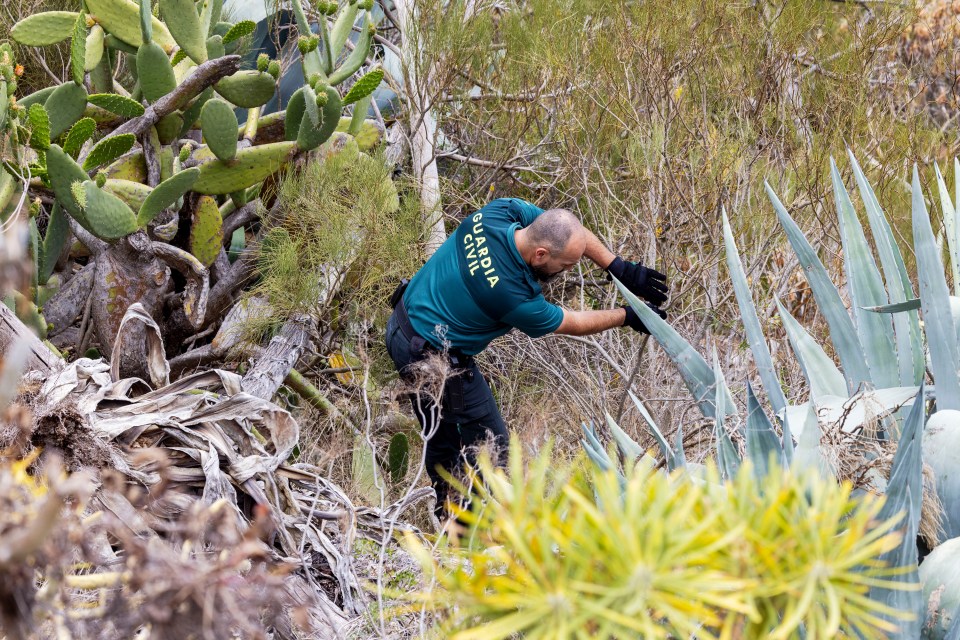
x=547, y=265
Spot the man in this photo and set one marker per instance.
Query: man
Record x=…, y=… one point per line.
x=482, y=282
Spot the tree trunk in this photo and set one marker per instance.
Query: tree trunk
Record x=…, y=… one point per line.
x=14, y=336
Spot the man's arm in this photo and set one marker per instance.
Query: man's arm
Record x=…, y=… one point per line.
x=597, y=251
x=584, y=323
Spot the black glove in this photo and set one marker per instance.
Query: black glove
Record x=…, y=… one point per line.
x=640, y=280
x=634, y=322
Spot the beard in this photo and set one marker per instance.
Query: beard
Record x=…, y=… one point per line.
x=544, y=276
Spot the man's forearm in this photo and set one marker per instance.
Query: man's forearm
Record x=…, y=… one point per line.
x=584, y=323
x=597, y=251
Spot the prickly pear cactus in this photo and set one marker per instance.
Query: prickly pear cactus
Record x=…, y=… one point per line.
x=130, y=165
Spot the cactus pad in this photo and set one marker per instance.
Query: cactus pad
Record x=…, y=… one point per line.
x=294, y=115
x=39, y=127
x=398, y=457
x=165, y=194
x=311, y=137
x=206, y=231
x=37, y=97
x=65, y=106
x=251, y=166
x=154, y=72
x=58, y=230
x=42, y=29
x=169, y=127
x=93, y=48
x=78, y=49
x=131, y=167
x=364, y=86
x=120, y=105
x=357, y=57
x=239, y=30
x=134, y=194
x=109, y=217
x=78, y=135
x=219, y=125
x=215, y=48
x=121, y=18
x=183, y=22
x=63, y=172
x=108, y=150
x=247, y=89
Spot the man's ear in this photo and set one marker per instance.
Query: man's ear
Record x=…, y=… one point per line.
x=540, y=253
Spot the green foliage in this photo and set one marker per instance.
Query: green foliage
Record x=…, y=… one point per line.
x=114, y=103
x=44, y=29
x=247, y=89
x=567, y=551
x=360, y=224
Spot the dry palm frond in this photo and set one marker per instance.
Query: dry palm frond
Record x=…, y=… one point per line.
x=199, y=527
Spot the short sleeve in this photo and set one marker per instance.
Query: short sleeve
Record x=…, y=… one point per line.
x=523, y=212
x=535, y=317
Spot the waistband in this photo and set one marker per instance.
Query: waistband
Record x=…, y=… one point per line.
x=457, y=357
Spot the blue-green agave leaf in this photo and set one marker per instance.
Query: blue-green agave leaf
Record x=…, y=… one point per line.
x=728, y=458
x=763, y=445
x=808, y=454
x=842, y=332
x=904, y=497
x=696, y=373
x=674, y=458
x=935, y=301
x=595, y=450
x=897, y=307
x=628, y=446
x=751, y=322
x=950, y=228
x=866, y=289
x=899, y=288
x=822, y=374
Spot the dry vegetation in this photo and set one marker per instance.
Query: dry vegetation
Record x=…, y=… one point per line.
x=644, y=118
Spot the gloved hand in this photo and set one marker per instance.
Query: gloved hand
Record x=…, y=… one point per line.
x=640, y=280
x=634, y=322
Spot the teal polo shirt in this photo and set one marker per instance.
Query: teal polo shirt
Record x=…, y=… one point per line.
x=476, y=287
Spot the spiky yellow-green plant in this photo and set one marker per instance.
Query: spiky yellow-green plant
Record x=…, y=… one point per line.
x=572, y=551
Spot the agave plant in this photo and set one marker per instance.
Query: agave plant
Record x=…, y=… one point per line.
x=882, y=355
x=158, y=175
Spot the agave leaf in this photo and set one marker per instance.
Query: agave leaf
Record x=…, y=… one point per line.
x=694, y=370
x=594, y=449
x=897, y=307
x=904, y=495
x=873, y=404
x=763, y=446
x=899, y=288
x=935, y=301
x=674, y=459
x=950, y=228
x=822, y=374
x=808, y=454
x=751, y=323
x=953, y=633
x=842, y=332
x=728, y=458
x=866, y=289
x=628, y=446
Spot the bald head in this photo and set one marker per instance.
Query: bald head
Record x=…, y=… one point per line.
x=554, y=229
x=552, y=244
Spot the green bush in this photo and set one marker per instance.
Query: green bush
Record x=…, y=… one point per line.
x=570, y=551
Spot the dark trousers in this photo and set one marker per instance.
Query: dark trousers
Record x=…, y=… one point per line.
x=467, y=416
